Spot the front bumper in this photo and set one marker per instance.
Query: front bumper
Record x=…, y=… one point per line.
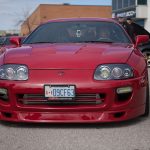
x=72, y=117
x=111, y=109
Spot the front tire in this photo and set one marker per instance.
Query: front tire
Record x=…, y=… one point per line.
x=147, y=56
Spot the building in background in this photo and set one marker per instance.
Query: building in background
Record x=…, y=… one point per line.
x=45, y=12
x=137, y=9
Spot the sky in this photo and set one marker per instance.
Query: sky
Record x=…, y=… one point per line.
x=11, y=11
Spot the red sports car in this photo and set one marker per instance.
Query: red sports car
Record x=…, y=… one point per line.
x=74, y=70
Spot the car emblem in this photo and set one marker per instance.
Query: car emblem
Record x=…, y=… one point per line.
x=61, y=73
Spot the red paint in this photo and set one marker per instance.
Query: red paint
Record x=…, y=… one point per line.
x=142, y=39
x=78, y=63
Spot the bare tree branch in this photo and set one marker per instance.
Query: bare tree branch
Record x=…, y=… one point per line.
x=25, y=19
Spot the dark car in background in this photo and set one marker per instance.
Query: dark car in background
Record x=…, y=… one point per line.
x=2, y=40
x=144, y=47
x=5, y=41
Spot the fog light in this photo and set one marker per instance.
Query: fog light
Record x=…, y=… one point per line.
x=123, y=90
x=3, y=94
x=3, y=91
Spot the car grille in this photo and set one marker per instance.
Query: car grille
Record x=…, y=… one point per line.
x=39, y=99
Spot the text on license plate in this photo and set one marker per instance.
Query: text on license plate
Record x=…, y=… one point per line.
x=59, y=91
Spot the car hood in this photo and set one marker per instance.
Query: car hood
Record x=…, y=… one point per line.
x=68, y=56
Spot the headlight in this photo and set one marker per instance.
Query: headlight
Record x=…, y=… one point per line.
x=113, y=72
x=13, y=72
x=104, y=72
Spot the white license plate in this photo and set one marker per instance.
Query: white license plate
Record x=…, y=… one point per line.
x=53, y=91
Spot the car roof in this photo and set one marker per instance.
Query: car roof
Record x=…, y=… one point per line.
x=81, y=19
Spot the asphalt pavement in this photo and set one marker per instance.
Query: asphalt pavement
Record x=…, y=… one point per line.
x=128, y=135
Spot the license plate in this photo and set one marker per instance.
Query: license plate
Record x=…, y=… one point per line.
x=53, y=91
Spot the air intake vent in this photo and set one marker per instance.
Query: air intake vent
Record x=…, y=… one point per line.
x=39, y=99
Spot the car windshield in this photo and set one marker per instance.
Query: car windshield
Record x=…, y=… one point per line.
x=78, y=32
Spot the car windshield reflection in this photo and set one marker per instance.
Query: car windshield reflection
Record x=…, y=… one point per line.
x=78, y=32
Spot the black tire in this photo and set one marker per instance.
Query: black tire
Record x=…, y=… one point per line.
x=147, y=56
x=146, y=113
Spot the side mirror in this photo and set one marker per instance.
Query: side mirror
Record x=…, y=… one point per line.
x=141, y=39
x=15, y=41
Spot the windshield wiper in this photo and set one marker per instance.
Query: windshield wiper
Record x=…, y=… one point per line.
x=98, y=41
x=94, y=41
x=40, y=42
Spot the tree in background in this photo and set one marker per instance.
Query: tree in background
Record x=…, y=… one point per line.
x=25, y=20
